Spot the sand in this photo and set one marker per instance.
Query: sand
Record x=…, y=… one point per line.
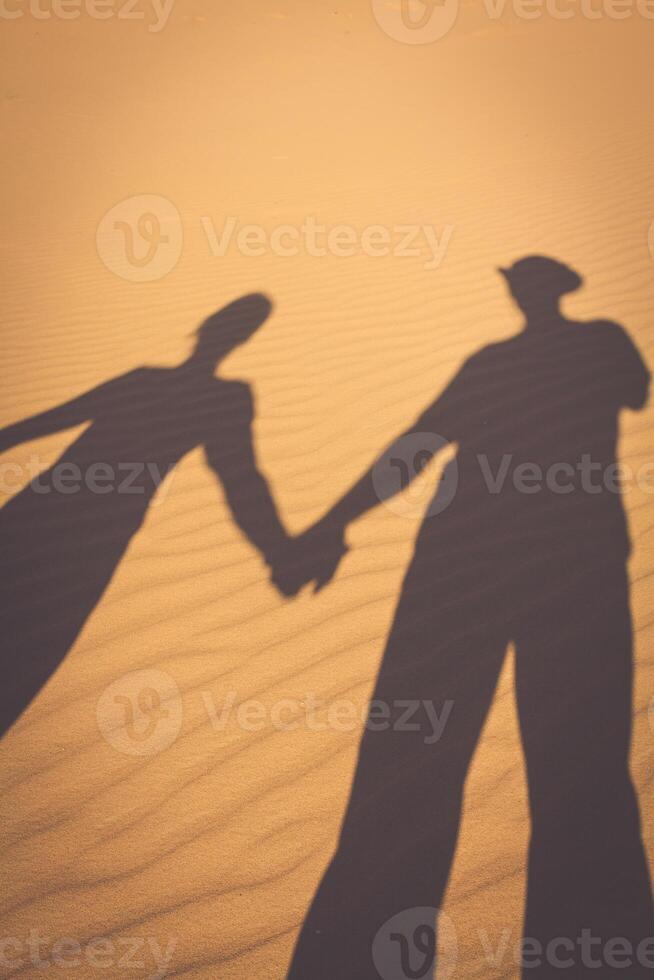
x=508, y=137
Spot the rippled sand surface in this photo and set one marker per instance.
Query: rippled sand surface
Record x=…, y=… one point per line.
x=506, y=137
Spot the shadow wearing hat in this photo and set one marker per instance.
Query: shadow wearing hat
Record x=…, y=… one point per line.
x=537, y=562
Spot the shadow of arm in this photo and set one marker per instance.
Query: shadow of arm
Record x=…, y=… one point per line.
x=65, y=416
x=233, y=460
x=408, y=454
x=637, y=376
x=318, y=552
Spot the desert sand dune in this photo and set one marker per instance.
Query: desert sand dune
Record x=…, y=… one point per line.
x=176, y=779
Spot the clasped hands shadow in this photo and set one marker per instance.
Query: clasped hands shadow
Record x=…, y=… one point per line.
x=313, y=556
x=544, y=571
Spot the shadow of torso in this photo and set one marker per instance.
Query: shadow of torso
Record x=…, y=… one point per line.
x=63, y=535
x=536, y=422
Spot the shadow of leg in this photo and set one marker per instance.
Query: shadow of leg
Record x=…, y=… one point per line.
x=400, y=829
x=588, y=879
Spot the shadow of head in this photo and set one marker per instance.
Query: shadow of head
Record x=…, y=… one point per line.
x=537, y=283
x=231, y=326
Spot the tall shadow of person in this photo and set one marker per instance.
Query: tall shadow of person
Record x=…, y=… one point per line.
x=63, y=535
x=515, y=558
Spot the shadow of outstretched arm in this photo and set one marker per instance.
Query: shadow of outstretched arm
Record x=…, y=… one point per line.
x=233, y=460
x=318, y=552
x=69, y=414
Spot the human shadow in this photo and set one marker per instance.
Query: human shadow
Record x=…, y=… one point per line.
x=63, y=535
x=535, y=562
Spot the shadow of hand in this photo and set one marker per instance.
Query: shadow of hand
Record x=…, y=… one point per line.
x=313, y=556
